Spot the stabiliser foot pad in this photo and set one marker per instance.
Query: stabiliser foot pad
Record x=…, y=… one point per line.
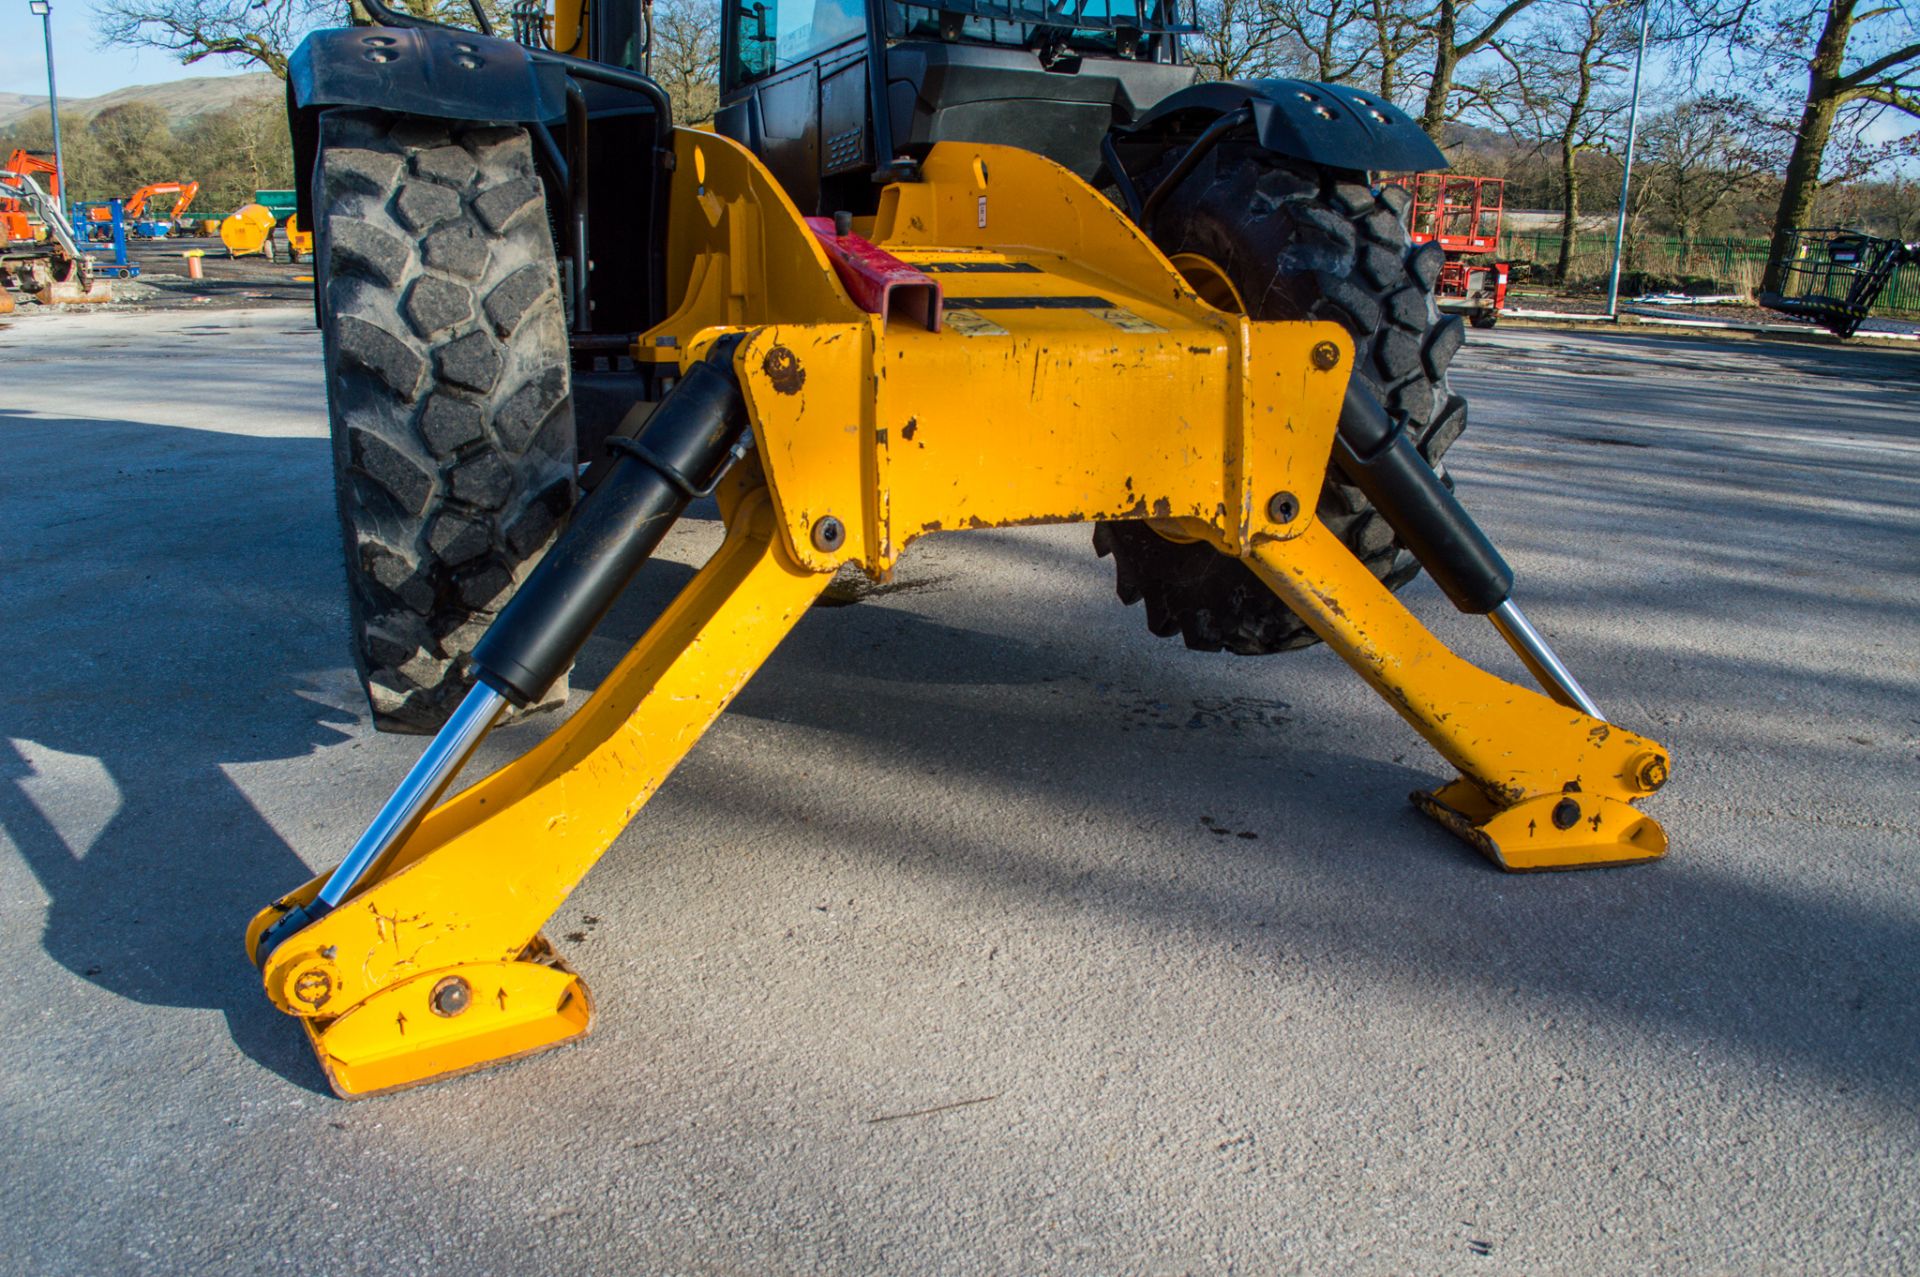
x=452, y=1020
x=1549, y=831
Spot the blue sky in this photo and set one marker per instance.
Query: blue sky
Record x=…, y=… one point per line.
x=84, y=71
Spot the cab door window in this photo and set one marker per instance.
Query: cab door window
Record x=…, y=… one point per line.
x=771, y=35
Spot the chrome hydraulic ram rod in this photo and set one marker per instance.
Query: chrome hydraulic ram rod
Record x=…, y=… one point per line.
x=426, y=780
x=1375, y=452
x=692, y=437
x=1540, y=660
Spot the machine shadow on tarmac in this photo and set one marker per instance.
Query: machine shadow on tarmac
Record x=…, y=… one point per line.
x=201, y=678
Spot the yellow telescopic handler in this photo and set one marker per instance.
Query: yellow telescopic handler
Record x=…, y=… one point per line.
x=942, y=264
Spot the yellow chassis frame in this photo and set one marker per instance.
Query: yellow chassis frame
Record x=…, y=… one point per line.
x=1080, y=377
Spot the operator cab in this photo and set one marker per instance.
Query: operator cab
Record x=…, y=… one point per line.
x=1044, y=75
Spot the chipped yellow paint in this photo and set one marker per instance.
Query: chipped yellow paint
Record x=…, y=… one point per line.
x=485, y=869
x=1543, y=786
x=1125, y=320
x=971, y=323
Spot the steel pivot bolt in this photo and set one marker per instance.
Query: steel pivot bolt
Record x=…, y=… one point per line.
x=1325, y=356
x=1566, y=814
x=1650, y=771
x=450, y=997
x=313, y=987
x=309, y=985
x=828, y=533
x=1283, y=507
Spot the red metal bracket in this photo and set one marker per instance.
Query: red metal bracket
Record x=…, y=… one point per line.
x=879, y=282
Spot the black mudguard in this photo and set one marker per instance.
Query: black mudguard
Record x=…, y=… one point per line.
x=1329, y=125
x=454, y=75
x=426, y=71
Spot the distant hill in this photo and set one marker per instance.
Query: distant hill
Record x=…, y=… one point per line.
x=15, y=105
x=181, y=100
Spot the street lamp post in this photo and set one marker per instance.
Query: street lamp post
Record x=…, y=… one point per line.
x=43, y=9
x=1626, y=174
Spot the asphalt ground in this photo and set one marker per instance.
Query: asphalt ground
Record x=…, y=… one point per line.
x=988, y=933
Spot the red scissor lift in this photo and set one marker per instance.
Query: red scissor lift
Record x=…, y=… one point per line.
x=1463, y=215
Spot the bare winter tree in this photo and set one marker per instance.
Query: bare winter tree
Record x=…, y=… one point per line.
x=1238, y=39
x=1557, y=80
x=1460, y=29
x=128, y=140
x=261, y=32
x=1323, y=39
x=1890, y=208
x=1352, y=41
x=452, y=13
x=34, y=132
x=1856, y=60
x=686, y=57
x=235, y=153
x=1399, y=30
x=1702, y=154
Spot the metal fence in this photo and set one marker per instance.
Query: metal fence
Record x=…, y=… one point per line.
x=1735, y=264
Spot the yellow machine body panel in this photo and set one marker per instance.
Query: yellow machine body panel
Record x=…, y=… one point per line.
x=1079, y=376
x=1119, y=426
x=738, y=252
x=567, y=29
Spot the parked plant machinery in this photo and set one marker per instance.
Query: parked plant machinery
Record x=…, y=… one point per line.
x=1832, y=277
x=247, y=231
x=93, y=219
x=154, y=228
x=1229, y=362
x=1463, y=216
x=16, y=225
x=279, y=202
x=299, y=239
x=102, y=226
x=56, y=271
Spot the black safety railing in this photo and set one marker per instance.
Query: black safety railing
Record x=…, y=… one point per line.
x=1833, y=276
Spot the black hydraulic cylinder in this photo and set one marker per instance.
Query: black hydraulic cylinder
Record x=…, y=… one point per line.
x=1375, y=453
x=687, y=443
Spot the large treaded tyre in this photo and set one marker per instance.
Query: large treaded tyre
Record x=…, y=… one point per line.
x=1298, y=242
x=447, y=390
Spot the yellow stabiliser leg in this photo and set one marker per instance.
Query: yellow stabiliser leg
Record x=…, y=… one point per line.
x=1542, y=786
x=1084, y=379
x=438, y=967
